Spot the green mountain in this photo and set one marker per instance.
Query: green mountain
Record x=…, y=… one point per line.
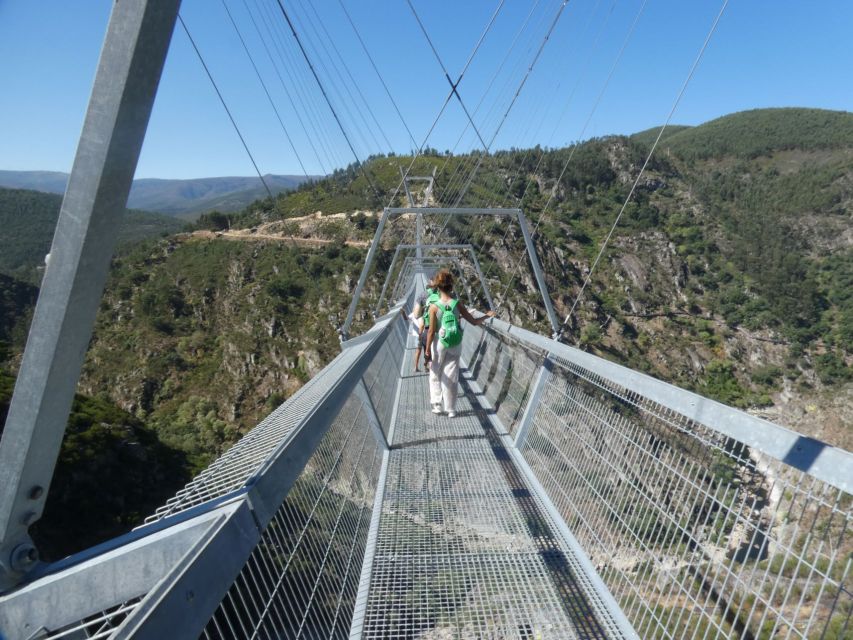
x=28, y=220
x=112, y=472
x=179, y=198
x=731, y=273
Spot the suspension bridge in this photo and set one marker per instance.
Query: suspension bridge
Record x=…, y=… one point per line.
x=570, y=498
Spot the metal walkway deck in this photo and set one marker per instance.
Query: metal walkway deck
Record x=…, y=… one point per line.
x=464, y=547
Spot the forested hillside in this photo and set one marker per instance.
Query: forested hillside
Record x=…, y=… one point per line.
x=28, y=219
x=731, y=273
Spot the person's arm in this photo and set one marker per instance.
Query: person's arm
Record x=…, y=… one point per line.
x=431, y=333
x=475, y=321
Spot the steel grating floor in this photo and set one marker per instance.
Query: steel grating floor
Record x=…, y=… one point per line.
x=464, y=548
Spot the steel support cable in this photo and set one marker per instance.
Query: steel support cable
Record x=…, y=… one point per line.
x=224, y=105
x=283, y=84
x=464, y=162
x=352, y=79
x=325, y=95
x=444, y=68
x=514, y=98
x=535, y=135
x=601, y=93
x=465, y=183
x=578, y=82
x=310, y=102
x=675, y=104
x=446, y=101
x=544, y=106
x=334, y=66
x=299, y=257
x=378, y=74
x=513, y=44
x=597, y=102
x=426, y=138
x=524, y=79
x=453, y=86
x=331, y=86
x=643, y=168
x=569, y=100
x=266, y=91
x=465, y=68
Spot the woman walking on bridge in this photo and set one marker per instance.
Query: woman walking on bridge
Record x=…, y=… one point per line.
x=444, y=341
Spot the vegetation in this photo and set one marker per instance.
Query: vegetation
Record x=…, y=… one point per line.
x=112, y=472
x=730, y=273
x=28, y=219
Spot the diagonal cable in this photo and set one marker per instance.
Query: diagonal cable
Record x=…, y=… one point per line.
x=225, y=106
x=266, y=91
x=378, y=74
x=326, y=96
x=645, y=164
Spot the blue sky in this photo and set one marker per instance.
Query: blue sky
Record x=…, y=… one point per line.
x=765, y=53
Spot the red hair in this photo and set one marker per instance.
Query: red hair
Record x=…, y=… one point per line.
x=443, y=281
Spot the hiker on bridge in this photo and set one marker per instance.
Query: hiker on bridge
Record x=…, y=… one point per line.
x=444, y=342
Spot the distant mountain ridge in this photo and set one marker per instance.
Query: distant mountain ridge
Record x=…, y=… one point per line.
x=178, y=198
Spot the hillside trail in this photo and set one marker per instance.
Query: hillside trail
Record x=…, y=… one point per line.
x=245, y=234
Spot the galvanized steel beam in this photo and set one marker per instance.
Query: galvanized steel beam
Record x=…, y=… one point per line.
x=131, y=62
x=368, y=262
x=829, y=464
x=537, y=273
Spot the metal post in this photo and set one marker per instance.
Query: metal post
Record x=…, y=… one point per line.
x=420, y=235
x=537, y=272
x=370, y=413
x=467, y=286
x=409, y=198
x=385, y=285
x=371, y=254
x=129, y=69
x=533, y=401
x=483, y=282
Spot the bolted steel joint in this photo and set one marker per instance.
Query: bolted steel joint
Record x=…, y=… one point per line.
x=23, y=558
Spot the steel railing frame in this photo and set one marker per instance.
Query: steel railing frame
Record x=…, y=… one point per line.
x=131, y=61
x=484, y=287
x=419, y=212
x=735, y=592
x=180, y=566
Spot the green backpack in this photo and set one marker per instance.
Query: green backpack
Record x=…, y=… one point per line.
x=450, y=333
x=432, y=298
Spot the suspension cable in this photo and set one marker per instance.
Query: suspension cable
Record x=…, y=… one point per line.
x=417, y=154
x=338, y=86
x=225, y=106
x=574, y=147
x=568, y=102
x=645, y=164
x=266, y=91
x=379, y=75
x=444, y=68
x=326, y=96
x=515, y=97
x=282, y=82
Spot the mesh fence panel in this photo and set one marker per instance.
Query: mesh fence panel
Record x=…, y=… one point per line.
x=301, y=581
x=695, y=534
x=244, y=459
x=504, y=368
x=382, y=375
x=99, y=625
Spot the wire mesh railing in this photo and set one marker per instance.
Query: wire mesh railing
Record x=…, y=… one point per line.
x=703, y=521
x=686, y=518
x=302, y=579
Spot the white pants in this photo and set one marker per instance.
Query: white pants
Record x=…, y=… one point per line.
x=444, y=375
